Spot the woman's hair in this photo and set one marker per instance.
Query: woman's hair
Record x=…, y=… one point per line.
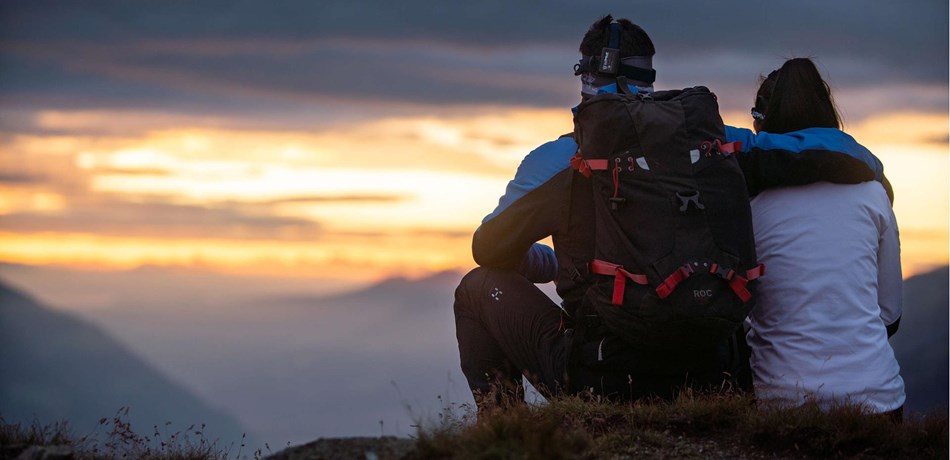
x=634, y=41
x=795, y=97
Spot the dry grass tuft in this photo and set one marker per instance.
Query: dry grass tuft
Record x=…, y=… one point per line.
x=113, y=439
x=692, y=426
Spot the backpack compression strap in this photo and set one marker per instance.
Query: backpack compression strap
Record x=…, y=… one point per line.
x=714, y=146
x=586, y=166
x=736, y=282
x=620, y=277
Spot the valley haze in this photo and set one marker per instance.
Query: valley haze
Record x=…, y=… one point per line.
x=296, y=365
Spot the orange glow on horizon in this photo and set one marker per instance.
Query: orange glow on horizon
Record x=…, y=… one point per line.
x=920, y=254
x=359, y=257
x=389, y=197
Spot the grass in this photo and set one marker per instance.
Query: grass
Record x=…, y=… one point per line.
x=113, y=439
x=700, y=427
x=712, y=426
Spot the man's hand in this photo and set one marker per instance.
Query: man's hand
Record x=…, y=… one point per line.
x=539, y=264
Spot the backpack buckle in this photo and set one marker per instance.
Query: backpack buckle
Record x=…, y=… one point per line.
x=685, y=198
x=722, y=272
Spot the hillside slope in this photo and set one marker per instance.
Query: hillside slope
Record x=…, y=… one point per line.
x=54, y=366
x=921, y=342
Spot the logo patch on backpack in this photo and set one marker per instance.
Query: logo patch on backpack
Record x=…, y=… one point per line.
x=702, y=296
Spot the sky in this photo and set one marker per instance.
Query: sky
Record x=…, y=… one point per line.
x=358, y=140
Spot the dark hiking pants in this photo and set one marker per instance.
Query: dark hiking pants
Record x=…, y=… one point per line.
x=506, y=327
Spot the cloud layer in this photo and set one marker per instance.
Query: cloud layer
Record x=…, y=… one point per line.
x=380, y=131
x=265, y=57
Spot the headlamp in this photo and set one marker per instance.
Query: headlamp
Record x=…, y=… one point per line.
x=609, y=63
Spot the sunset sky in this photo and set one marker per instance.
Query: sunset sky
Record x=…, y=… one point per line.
x=359, y=140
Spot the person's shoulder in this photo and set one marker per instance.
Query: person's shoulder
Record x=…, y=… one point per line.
x=555, y=152
x=817, y=193
x=564, y=144
x=547, y=160
x=874, y=193
x=838, y=140
x=827, y=136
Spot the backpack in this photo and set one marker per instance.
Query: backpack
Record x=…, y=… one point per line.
x=674, y=254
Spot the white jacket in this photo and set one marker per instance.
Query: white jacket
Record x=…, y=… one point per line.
x=832, y=284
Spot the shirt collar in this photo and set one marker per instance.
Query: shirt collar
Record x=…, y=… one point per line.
x=612, y=89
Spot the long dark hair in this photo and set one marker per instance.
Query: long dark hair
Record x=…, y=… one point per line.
x=795, y=97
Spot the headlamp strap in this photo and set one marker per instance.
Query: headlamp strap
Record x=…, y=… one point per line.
x=610, y=55
x=614, y=35
x=593, y=64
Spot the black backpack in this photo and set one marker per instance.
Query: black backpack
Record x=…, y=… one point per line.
x=674, y=255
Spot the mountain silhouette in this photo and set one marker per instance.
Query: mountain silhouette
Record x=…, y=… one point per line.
x=54, y=367
x=921, y=342
x=378, y=359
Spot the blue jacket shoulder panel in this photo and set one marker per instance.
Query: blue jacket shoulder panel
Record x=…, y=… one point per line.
x=534, y=207
x=829, y=139
x=536, y=168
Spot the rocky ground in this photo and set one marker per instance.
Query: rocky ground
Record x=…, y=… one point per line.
x=660, y=446
x=349, y=448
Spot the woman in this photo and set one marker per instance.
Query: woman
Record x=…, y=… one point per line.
x=832, y=293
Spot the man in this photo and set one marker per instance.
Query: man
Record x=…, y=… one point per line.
x=507, y=327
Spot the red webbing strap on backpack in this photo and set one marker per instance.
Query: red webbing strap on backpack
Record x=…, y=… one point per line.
x=664, y=290
x=620, y=275
x=736, y=282
x=732, y=147
x=586, y=166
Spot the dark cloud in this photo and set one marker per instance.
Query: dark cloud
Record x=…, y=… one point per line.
x=337, y=199
x=854, y=26
x=132, y=172
x=21, y=179
x=131, y=216
x=163, y=220
x=941, y=139
x=415, y=232
x=448, y=234
x=272, y=57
